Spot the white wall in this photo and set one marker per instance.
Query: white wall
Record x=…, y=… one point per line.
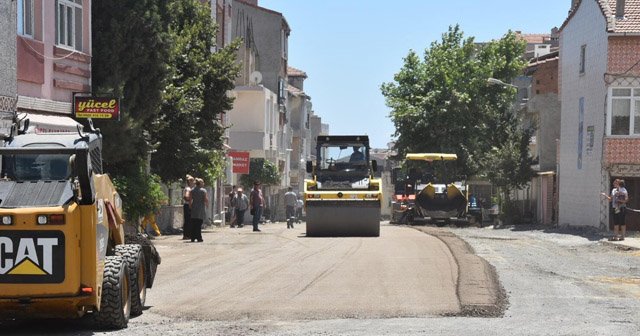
x=253, y=119
x=580, y=202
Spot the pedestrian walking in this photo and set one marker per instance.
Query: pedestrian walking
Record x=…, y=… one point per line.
x=299, y=206
x=232, y=206
x=186, y=207
x=290, y=200
x=199, y=200
x=242, y=204
x=256, y=202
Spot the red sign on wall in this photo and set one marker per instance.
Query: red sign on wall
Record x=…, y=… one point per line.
x=240, y=162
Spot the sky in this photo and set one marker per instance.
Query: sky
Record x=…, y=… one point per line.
x=348, y=48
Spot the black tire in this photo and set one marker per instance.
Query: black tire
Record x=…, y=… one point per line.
x=115, y=303
x=134, y=256
x=151, y=255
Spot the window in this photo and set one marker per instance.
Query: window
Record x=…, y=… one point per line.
x=25, y=17
x=624, y=111
x=281, y=90
x=69, y=23
x=583, y=55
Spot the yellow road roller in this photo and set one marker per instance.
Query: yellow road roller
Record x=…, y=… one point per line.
x=343, y=198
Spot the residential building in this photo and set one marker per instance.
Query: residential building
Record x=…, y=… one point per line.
x=53, y=54
x=300, y=109
x=538, y=103
x=539, y=44
x=258, y=121
x=317, y=127
x=543, y=109
x=8, y=89
x=599, y=93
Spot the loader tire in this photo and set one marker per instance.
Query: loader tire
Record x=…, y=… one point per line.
x=134, y=256
x=151, y=256
x=115, y=303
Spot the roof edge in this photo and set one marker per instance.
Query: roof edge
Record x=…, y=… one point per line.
x=604, y=10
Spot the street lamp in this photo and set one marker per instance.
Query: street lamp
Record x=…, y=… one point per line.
x=495, y=81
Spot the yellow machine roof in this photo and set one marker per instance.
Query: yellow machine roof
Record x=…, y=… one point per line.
x=431, y=156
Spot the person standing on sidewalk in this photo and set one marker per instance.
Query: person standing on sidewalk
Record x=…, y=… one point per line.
x=242, y=204
x=617, y=210
x=290, y=200
x=232, y=206
x=199, y=200
x=186, y=207
x=619, y=213
x=299, y=206
x=256, y=202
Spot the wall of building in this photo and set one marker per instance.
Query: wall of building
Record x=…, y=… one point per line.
x=623, y=55
x=266, y=26
x=254, y=120
x=545, y=79
x=8, y=48
x=49, y=72
x=547, y=109
x=580, y=186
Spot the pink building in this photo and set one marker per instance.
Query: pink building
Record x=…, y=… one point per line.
x=53, y=49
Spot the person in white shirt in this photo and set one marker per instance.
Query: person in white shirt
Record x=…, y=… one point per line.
x=290, y=200
x=299, y=206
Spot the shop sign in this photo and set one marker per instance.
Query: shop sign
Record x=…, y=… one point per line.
x=240, y=162
x=97, y=107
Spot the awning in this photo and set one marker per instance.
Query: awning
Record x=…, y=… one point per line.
x=43, y=123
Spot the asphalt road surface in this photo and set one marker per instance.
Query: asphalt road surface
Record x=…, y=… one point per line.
x=410, y=281
x=280, y=274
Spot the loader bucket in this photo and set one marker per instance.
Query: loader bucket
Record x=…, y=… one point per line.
x=450, y=202
x=343, y=218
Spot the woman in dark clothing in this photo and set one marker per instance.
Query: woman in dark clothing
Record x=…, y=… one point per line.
x=186, y=207
x=199, y=199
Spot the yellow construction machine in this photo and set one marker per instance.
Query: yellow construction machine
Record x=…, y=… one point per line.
x=343, y=198
x=440, y=198
x=63, y=250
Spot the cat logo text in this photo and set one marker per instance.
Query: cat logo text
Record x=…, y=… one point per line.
x=31, y=257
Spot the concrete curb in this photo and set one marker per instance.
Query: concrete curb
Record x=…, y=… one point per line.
x=622, y=245
x=479, y=290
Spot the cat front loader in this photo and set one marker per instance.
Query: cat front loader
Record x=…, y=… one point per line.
x=63, y=250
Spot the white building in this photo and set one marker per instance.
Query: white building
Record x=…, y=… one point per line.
x=600, y=99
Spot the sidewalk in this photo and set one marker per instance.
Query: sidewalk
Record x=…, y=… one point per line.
x=629, y=243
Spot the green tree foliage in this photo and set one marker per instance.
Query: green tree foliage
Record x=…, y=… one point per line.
x=129, y=60
x=442, y=103
x=260, y=170
x=141, y=192
x=187, y=133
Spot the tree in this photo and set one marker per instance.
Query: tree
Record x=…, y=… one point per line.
x=129, y=57
x=260, y=170
x=141, y=191
x=442, y=103
x=187, y=133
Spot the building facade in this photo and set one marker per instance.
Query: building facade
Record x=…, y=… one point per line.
x=543, y=107
x=8, y=59
x=53, y=53
x=300, y=110
x=599, y=88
